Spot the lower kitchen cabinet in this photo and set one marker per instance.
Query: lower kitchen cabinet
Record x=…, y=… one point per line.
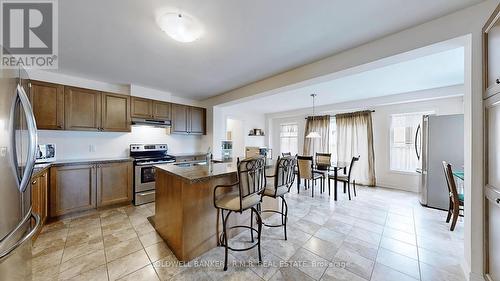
x=39, y=196
x=72, y=188
x=84, y=187
x=114, y=183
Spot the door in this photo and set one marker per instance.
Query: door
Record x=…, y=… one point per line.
x=114, y=183
x=72, y=188
x=196, y=120
x=47, y=100
x=145, y=176
x=492, y=189
x=179, y=118
x=142, y=108
x=17, y=158
x=161, y=110
x=115, y=112
x=82, y=109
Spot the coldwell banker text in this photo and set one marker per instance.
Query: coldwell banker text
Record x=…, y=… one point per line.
x=29, y=34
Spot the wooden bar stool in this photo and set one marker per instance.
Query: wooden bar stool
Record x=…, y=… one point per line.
x=251, y=183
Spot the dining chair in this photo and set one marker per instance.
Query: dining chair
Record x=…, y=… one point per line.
x=456, y=200
x=250, y=185
x=285, y=154
x=306, y=171
x=323, y=163
x=278, y=185
x=347, y=179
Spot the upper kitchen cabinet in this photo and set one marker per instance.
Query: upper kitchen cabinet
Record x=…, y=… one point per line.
x=188, y=119
x=161, y=110
x=492, y=54
x=179, y=119
x=82, y=109
x=196, y=120
x=142, y=108
x=115, y=113
x=47, y=100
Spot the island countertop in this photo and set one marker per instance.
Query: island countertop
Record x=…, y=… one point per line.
x=194, y=172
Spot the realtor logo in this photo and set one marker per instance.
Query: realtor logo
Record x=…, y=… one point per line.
x=29, y=34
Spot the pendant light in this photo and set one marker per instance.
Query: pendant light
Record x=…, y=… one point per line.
x=313, y=134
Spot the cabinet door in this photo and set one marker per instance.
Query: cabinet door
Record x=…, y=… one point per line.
x=43, y=182
x=82, y=109
x=72, y=188
x=197, y=120
x=47, y=100
x=492, y=54
x=114, y=183
x=142, y=108
x=115, y=112
x=36, y=203
x=161, y=110
x=179, y=119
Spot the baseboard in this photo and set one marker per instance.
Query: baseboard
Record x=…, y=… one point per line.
x=477, y=277
x=402, y=188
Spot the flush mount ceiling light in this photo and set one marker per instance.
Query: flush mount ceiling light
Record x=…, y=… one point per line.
x=180, y=27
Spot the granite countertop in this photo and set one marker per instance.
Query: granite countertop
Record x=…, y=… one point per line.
x=188, y=154
x=41, y=167
x=195, y=172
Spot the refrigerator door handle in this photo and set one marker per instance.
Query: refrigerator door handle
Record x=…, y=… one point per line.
x=5, y=254
x=30, y=121
x=416, y=146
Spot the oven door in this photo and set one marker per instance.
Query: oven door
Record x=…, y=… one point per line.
x=144, y=178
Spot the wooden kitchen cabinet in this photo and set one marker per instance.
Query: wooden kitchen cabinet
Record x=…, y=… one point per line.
x=161, y=110
x=114, y=183
x=188, y=119
x=39, y=197
x=196, y=120
x=491, y=45
x=82, y=108
x=72, y=188
x=47, y=101
x=115, y=113
x=179, y=119
x=142, y=108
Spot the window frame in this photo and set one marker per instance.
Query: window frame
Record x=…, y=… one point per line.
x=296, y=137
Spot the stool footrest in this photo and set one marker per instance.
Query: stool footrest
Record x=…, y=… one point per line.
x=221, y=238
x=276, y=212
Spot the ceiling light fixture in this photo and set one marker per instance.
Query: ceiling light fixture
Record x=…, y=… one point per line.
x=180, y=27
x=313, y=134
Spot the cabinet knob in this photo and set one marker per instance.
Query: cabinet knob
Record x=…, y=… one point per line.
x=498, y=81
x=33, y=182
x=498, y=200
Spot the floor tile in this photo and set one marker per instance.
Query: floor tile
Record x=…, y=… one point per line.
x=158, y=251
x=146, y=273
x=337, y=273
x=430, y=273
x=122, y=249
x=353, y=262
x=399, y=262
x=79, y=265
x=385, y=273
x=309, y=263
x=127, y=264
x=324, y=249
x=399, y=247
x=97, y=274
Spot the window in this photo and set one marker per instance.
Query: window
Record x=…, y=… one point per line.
x=402, y=141
x=332, y=146
x=289, y=134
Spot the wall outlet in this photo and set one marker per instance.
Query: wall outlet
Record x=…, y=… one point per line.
x=92, y=147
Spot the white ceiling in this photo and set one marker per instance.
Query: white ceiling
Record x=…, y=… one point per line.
x=442, y=69
x=118, y=41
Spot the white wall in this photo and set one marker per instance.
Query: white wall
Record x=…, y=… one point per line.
x=381, y=130
x=76, y=144
x=249, y=120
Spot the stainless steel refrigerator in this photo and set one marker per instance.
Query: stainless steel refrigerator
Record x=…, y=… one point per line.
x=438, y=139
x=18, y=140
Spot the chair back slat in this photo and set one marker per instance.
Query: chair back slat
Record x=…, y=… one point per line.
x=284, y=154
x=251, y=176
x=305, y=164
x=284, y=174
x=450, y=182
x=323, y=160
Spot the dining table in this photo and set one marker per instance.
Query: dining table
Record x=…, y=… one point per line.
x=333, y=167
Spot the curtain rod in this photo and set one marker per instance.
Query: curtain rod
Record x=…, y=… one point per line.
x=342, y=113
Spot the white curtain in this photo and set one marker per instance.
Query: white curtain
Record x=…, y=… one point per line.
x=355, y=138
x=403, y=129
x=321, y=125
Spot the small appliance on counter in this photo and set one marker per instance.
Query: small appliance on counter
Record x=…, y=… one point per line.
x=45, y=153
x=145, y=157
x=252, y=151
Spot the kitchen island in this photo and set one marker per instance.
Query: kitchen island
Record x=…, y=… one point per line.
x=185, y=216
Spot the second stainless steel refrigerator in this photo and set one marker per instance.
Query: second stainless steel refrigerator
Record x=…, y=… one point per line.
x=441, y=139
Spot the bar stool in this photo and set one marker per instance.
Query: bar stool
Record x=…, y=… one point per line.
x=282, y=182
x=251, y=183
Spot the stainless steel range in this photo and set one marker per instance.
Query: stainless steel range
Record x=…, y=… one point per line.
x=145, y=157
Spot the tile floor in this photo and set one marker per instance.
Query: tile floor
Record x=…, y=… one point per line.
x=382, y=234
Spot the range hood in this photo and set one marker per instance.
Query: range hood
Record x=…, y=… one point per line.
x=152, y=122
